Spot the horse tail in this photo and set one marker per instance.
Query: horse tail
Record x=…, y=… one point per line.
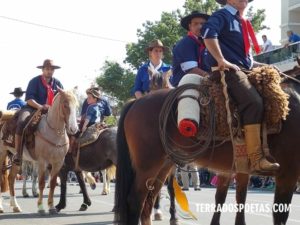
x=125, y=173
x=4, y=183
x=111, y=172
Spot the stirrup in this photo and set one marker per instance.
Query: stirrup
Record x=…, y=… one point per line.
x=274, y=167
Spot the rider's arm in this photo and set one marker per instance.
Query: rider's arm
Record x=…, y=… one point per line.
x=212, y=44
x=138, y=84
x=34, y=104
x=86, y=122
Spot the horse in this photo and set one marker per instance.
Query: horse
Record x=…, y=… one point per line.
x=143, y=165
x=99, y=155
x=29, y=169
x=51, y=146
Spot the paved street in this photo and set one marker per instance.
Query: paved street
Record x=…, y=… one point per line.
x=100, y=211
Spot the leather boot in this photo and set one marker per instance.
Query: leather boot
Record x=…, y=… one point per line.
x=253, y=142
x=17, y=159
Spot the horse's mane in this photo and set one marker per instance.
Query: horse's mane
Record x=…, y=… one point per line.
x=70, y=96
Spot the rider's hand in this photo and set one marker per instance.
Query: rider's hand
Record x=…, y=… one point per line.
x=223, y=64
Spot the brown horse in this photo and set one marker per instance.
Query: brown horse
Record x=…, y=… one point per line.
x=143, y=165
x=51, y=146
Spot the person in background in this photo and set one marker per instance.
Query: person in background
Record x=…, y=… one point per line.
x=189, y=52
x=17, y=103
x=267, y=47
x=156, y=51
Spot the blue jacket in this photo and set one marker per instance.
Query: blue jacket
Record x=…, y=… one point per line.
x=16, y=104
x=142, y=79
x=36, y=91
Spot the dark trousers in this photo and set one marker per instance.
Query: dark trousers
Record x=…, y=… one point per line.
x=244, y=95
x=24, y=116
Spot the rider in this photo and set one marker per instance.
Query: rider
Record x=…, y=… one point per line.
x=226, y=36
x=104, y=107
x=156, y=51
x=189, y=52
x=39, y=95
x=17, y=103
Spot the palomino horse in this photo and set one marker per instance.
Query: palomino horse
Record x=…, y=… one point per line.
x=51, y=146
x=99, y=155
x=143, y=165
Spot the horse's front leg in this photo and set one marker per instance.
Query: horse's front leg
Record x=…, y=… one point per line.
x=285, y=185
x=12, y=177
x=63, y=174
x=34, y=179
x=54, y=173
x=25, y=169
x=220, y=196
x=42, y=171
x=105, y=190
x=86, y=200
x=241, y=193
x=154, y=186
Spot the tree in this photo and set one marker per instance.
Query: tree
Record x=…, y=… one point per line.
x=116, y=81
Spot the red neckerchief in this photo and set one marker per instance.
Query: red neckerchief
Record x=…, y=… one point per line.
x=249, y=31
x=199, y=43
x=50, y=92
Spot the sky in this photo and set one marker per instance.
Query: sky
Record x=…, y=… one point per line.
x=106, y=27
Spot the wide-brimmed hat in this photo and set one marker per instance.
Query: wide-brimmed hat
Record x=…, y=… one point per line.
x=223, y=2
x=185, y=21
x=48, y=63
x=17, y=91
x=94, y=91
x=156, y=44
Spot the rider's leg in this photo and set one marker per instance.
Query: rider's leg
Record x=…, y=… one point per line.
x=250, y=106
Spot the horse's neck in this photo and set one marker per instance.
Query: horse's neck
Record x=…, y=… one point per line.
x=55, y=118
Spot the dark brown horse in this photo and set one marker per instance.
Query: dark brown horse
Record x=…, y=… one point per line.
x=100, y=155
x=143, y=164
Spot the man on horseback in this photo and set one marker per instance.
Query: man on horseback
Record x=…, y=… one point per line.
x=39, y=96
x=189, y=52
x=226, y=36
x=155, y=64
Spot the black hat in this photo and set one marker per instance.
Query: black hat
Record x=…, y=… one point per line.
x=17, y=91
x=223, y=2
x=185, y=21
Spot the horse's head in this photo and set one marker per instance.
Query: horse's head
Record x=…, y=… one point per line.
x=159, y=80
x=67, y=109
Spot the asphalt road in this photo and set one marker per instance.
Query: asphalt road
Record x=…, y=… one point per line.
x=259, y=203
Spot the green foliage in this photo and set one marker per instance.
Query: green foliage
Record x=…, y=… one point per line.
x=111, y=121
x=116, y=81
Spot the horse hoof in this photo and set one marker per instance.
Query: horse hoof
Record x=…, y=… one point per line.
x=35, y=195
x=52, y=211
x=93, y=186
x=83, y=207
x=16, y=209
x=174, y=222
x=104, y=193
x=25, y=195
x=158, y=216
x=41, y=212
x=1, y=211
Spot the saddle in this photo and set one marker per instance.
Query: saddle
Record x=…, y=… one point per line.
x=28, y=137
x=91, y=134
x=267, y=82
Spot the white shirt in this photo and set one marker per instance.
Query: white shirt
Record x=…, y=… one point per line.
x=267, y=46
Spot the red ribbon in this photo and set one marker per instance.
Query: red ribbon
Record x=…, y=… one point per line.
x=199, y=43
x=249, y=31
x=50, y=92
